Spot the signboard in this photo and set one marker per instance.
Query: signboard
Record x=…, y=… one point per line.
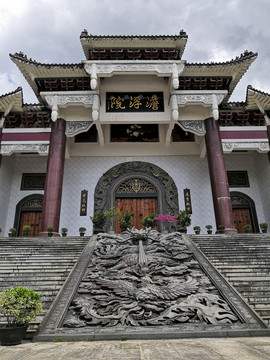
x=187, y=201
x=83, y=211
x=135, y=102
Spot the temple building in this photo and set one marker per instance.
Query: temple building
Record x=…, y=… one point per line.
x=135, y=126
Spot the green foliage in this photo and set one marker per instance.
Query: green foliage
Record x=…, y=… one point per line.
x=50, y=229
x=247, y=227
x=27, y=229
x=184, y=219
x=221, y=227
x=12, y=231
x=126, y=221
x=264, y=226
x=64, y=230
x=112, y=214
x=150, y=221
x=209, y=227
x=98, y=220
x=197, y=228
x=82, y=230
x=19, y=305
x=123, y=338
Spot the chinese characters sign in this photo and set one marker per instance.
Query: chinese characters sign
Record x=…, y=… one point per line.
x=187, y=201
x=83, y=211
x=135, y=102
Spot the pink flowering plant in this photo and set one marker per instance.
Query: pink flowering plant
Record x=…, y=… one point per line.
x=166, y=220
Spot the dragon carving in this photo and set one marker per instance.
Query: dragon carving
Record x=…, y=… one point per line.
x=141, y=278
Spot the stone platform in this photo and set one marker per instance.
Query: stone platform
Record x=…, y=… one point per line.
x=256, y=348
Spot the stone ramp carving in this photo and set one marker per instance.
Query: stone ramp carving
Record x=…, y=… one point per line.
x=143, y=284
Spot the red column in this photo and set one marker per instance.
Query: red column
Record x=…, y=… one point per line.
x=54, y=178
x=268, y=134
x=218, y=176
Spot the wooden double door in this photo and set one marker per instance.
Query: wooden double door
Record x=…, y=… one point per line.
x=32, y=218
x=138, y=206
x=241, y=218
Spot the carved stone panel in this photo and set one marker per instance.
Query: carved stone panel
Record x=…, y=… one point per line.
x=142, y=278
x=166, y=188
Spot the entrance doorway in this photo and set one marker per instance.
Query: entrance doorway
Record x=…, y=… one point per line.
x=241, y=218
x=29, y=212
x=32, y=218
x=139, y=207
x=244, y=212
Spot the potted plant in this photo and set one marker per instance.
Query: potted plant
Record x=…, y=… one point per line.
x=264, y=227
x=26, y=230
x=82, y=231
x=221, y=229
x=125, y=221
x=64, y=232
x=19, y=305
x=184, y=220
x=98, y=220
x=247, y=228
x=166, y=220
x=197, y=230
x=150, y=221
x=209, y=229
x=50, y=230
x=12, y=232
x=112, y=215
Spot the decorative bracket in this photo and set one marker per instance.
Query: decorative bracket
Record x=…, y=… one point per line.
x=266, y=118
x=182, y=98
x=75, y=127
x=56, y=101
x=196, y=127
x=7, y=111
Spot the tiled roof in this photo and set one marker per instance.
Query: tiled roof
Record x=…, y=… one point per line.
x=182, y=34
x=22, y=57
x=244, y=56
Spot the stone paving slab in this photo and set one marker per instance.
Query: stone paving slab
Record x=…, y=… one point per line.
x=255, y=348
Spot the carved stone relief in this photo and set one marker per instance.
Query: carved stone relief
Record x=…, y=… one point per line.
x=196, y=127
x=167, y=189
x=42, y=149
x=261, y=147
x=143, y=278
x=75, y=127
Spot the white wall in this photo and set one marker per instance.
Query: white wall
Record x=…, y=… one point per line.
x=6, y=178
x=22, y=164
x=84, y=173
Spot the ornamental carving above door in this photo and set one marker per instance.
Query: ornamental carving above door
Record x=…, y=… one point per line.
x=141, y=179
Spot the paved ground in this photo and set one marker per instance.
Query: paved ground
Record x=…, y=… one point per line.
x=186, y=349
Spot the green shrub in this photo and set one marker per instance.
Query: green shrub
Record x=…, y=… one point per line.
x=50, y=229
x=150, y=221
x=19, y=305
x=126, y=221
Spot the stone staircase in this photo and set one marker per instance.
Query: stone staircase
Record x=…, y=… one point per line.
x=244, y=259
x=41, y=264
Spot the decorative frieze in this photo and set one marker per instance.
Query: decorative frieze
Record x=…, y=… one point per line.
x=62, y=100
x=260, y=146
x=41, y=149
x=107, y=69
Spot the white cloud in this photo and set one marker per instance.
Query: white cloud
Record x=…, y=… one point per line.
x=48, y=31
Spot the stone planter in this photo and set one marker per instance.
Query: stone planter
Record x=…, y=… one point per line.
x=12, y=335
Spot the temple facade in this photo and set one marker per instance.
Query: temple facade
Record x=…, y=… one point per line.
x=135, y=126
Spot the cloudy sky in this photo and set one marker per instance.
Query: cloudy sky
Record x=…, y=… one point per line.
x=218, y=30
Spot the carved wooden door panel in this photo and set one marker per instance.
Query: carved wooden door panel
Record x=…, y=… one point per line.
x=241, y=218
x=32, y=218
x=140, y=207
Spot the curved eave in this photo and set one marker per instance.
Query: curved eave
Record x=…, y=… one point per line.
x=235, y=69
x=32, y=70
x=133, y=42
x=12, y=101
x=255, y=97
